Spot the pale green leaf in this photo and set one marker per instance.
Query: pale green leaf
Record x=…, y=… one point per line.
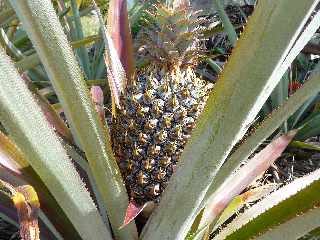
x=227, y=25
x=281, y=206
x=27, y=125
x=48, y=38
x=268, y=126
x=294, y=228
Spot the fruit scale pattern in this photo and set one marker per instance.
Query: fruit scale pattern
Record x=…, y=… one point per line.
x=160, y=108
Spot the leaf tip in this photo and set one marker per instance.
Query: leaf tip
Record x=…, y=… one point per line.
x=132, y=212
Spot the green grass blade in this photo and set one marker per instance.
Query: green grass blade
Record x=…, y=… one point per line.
x=279, y=95
x=314, y=233
x=283, y=205
x=310, y=129
x=246, y=83
x=100, y=66
x=7, y=44
x=308, y=31
x=28, y=62
x=59, y=61
x=31, y=61
x=82, y=51
x=227, y=25
x=296, y=47
x=85, y=41
x=85, y=166
x=215, y=67
x=304, y=145
x=296, y=117
x=27, y=125
x=294, y=228
x=136, y=12
x=6, y=15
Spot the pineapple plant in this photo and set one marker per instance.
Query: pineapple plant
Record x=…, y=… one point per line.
x=204, y=181
x=160, y=106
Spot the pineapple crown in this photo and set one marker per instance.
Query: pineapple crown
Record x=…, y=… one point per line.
x=173, y=36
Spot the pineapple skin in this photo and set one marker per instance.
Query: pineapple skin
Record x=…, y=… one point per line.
x=159, y=112
x=162, y=103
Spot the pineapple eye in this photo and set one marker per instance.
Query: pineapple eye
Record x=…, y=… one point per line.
x=160, y=175
x=165, y=161
x=177, y=132
x=170, y=148
x=141, y=111
x=151, y=124
x=180, y=115
x=154, y=150
x=188, y=122
x=154, y=191
x=142, y=178
x=137, y=152
x=185, y=93
x=161, y=136
x=148, y=96
x=127, y=140
x=129, y=166
x=148, y=164
x=174, y=102
x=132, y=125
x=165, y=88
x=142, y=138
x=167, y=120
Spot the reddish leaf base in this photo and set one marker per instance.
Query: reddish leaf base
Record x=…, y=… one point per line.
x=132, y=212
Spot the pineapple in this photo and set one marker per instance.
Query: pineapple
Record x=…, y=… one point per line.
x=160, y=107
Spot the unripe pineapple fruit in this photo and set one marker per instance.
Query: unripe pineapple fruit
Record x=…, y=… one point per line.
x=161, y=106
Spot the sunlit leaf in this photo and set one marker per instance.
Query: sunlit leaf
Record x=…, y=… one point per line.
x=26, y=201
x=279, y=207
x=236, y=183
x=240, y=200
x=51, y=115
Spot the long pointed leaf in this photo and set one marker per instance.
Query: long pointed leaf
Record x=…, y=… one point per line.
x=116, y=75
x=27, y=125
x=270, y=124
x=294, y=228
x=5, y=15
x=243, y=177
x=51, y=115
x=279, y=207
x=82, y=51
x=310, y=129
x=52, y=46
x=119, y=30
x=15, y=169
x=227, y=25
